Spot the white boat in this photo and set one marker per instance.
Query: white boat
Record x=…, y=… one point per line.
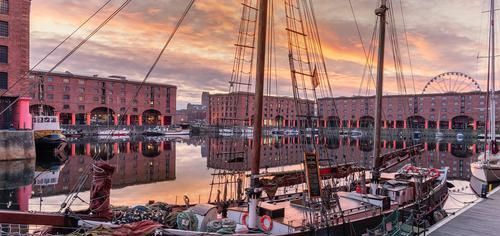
x=291, y=132
x=487, y=167
x=114, y=132
x=356, y=134
x=226, y=132
x=460, y=137
x=277, y=131
x=439, y=135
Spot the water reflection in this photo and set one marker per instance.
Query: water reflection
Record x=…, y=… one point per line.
x=165, y=170
x=15, y=187
x=138, y=161
x=232, y=154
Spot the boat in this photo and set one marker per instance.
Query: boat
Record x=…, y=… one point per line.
x=356, y=133
x=487, y=167
x=291, y=132
x=277, y=131
x=113, y=132
x=50, y=143
x=71, y=132
x=460, y=137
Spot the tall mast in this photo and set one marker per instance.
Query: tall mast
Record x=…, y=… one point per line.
x=492, y=78
x=381, y=13
x=255, y=191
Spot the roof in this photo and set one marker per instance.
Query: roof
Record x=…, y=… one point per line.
x=113, y=78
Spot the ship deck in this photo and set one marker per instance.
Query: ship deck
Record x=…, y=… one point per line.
x=297, y=215
x=479, y=218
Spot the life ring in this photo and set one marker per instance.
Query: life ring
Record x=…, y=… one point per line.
x=243, y=219
x=434, y=173
x=266, y=226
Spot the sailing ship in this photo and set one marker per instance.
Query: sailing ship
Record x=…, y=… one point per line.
x=487, y=168
x=321, y=208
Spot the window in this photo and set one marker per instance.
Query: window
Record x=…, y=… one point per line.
x=50, y=96
x=66, y=88
x=4, y=54
x=50, y=87
x=81, y=98
x=134, y=109
x=81, y=107
x=81, y=81
x=65, y=80
x=4, y=6
x=66, y=97
x=123, y=100
x=50, y=79
x=4, y=80
x=82, y=90
x=65, y=106
x=4, y=29
x=96, y=99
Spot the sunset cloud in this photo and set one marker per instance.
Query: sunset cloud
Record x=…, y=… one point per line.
x=201, y=55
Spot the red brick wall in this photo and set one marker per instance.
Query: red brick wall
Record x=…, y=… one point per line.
x=18, y=43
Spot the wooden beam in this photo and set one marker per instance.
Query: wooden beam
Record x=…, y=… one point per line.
x=30, y=218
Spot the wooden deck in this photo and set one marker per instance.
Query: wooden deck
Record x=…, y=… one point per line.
x=480, y=218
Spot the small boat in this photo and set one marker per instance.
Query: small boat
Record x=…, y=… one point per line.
x=114, y=132
x=49, y=140
x=226, y=132
x=161, y=131
x=487, y=167
x=460, y=137
x=439, y=135
x=291, y=132
x=277, y=131
x=417, y=135
x=71, y=132
x=356, y=134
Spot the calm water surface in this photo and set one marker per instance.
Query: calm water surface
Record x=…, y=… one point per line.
x=165, y=170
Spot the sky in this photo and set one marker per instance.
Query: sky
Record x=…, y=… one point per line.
x=442, y=36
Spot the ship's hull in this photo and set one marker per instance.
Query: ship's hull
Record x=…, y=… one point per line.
x=485, y=173
x=359, y=227
x=47, y=145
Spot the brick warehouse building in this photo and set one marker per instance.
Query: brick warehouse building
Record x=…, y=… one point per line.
x=432, y=111
x=93, y=100
x=14, y=44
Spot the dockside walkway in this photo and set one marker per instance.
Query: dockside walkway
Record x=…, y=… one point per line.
x=479, y=218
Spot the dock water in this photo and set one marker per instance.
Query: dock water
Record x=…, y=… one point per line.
x=479, y=218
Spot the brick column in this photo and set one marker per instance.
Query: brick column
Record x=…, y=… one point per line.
x=73, y=119
x=395, y=125
x=438, y=124
x=449, y=125
x=357, y=124
x=474, y=125
x=426, y=126
x=87, y=149
x=87, y=118
x=128, y=119
x=385, y=124
x=405, y=125
x=115, y=119
x=139, y=119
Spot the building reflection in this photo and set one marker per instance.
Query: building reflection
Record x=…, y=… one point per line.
x=232, y=153
x=15, y=187
x=136, y=162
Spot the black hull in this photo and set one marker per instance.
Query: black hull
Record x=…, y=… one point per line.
x=153, y=134
x=46, y=151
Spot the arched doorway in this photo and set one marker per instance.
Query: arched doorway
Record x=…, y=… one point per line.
x=366, y=122
x=151, y=149
x=333, y=122
x=102, y=116
x=65, y=118
x=42, y=110
x=462, y=122
x=151, y=117
x=415, y=122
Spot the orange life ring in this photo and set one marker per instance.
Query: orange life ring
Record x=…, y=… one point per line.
x=263, y=225
x=243, y=219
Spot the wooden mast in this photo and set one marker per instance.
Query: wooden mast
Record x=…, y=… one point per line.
x=377, y=163
x=493, y=146
x=255, y=191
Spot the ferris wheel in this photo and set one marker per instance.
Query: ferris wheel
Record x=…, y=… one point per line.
x=451, y=82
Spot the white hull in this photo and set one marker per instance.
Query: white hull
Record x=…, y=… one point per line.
x=485, y=173
x=113, y=133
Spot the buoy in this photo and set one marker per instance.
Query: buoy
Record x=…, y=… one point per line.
x=266, y=223
x=243, y=219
